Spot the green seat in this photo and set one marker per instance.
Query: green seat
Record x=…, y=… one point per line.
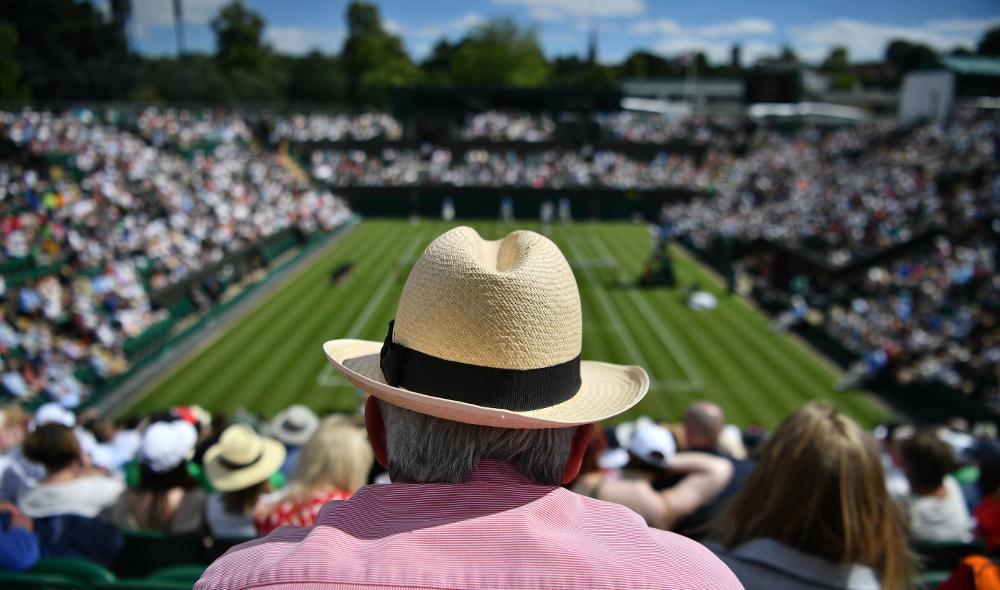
x=38, y=581
x=148, y=551
x=75, y=568
x=187, y=573
x=221, y=545
x=142, y=584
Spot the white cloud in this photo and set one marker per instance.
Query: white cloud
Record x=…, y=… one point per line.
x=660, y=26
x=392, y=27
x=737, y=28
x=454, y=27
x=548, y=10
x=160, y=13
x=300, y=40
x=867, y=40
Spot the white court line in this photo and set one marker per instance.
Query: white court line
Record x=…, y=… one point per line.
x=662, y=332
x=329, y=377
x=616, y=320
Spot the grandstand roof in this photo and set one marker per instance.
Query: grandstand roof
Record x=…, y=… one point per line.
x=972, y=65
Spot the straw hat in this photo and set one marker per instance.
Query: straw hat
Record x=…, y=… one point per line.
x=295, y=425
x=490, y=333
x=242, y=458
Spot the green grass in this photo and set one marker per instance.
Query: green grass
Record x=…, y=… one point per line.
x=273, y=356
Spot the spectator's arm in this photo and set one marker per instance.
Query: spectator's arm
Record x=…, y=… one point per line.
x=19, y=548
x=706, y=476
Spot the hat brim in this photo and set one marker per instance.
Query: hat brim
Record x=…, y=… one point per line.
x=229, y=480
x=606, y=391
x=295, y=438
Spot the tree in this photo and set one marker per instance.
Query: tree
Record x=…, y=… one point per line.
x=500, y=53
x=906, y=55
x=990, y=43
x=837, y=61
x=642, y=64
x=67, y=50
x=316, y=78
x=9, y=87
x=239, y=33
x=573, y=71
x=437, y=66
x=788, y=55
x=374, y=61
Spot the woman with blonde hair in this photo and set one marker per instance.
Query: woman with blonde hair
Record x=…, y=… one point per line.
x=332, y=466
x=815, y=512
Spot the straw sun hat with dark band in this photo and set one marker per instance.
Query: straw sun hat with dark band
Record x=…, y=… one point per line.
x=242, y=458
x=490, y=333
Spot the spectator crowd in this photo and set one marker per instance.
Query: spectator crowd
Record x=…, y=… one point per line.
x=120, y=216
x=186, y=472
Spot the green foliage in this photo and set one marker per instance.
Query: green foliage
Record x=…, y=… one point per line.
x=500, y=53
x=374, y=61
x=844, y=81
x=642, y=64
x=573, y=71
x=315, y=78
x=907, y=56
x=837, y=61
x=437, y=67
x=239, y=35
x=9, y=87
x=67, y=50
x=990, y=43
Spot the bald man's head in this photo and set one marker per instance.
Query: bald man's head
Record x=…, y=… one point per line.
x=702, y=425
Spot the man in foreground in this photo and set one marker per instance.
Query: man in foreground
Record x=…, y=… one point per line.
x=479, y=407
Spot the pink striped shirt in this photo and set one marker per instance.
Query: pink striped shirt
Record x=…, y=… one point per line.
x=498, y=530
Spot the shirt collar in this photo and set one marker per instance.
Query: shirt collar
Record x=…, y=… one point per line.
x=777, y=555
x=491, y=487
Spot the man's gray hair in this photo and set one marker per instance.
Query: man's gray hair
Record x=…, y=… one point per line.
x=425, y=449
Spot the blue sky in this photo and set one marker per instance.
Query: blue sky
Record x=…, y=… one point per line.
x=809, y=26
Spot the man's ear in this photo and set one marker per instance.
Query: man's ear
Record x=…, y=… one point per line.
x=581, y=440
x=376, y=430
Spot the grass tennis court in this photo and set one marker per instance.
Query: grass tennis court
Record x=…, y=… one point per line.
x=273, y=356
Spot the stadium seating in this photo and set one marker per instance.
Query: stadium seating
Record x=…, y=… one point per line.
x=149, y=551
x=33, y=581
x=81, y=570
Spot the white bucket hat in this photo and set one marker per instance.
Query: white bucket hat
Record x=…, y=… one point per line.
x=295, y=425
x=242, y=458
x=165, y=445
x=490, y=333
x=648, y=441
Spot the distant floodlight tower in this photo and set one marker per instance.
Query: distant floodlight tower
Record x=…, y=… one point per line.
x=592, y=43
x=179, y=34
x=179, y=26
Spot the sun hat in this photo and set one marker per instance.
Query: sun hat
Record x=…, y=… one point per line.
x=166, y=445
x=294, y=425
x=490, y=333
x=53, y=412
x=242, y=458
x=651, y=443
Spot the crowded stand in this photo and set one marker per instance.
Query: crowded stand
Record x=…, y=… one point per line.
x=119, y=217
x=337, y=127
x=506, y=126
x=479, y=167
x=646, y=127
x=218, y=480
x=186, y=129
x=929, y=316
